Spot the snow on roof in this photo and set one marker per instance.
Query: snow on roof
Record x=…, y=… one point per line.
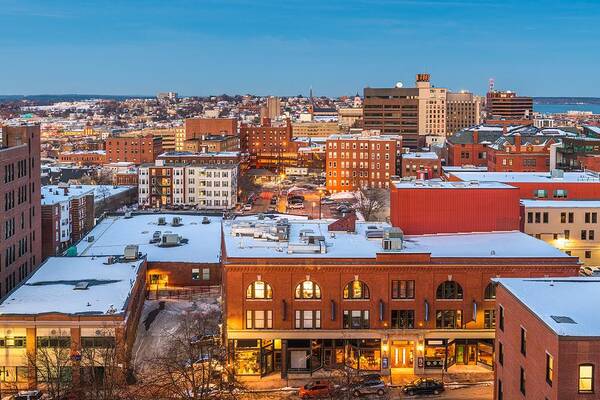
x=113, y=233
x=534, y=177
x=53, y=194
x=438, y=184
x=428, y=155
x=199, y=154
x=512, y=244
x=99, y=152
x=576, y=298
x=593, y=128
x=51, y=287
x=561, y=203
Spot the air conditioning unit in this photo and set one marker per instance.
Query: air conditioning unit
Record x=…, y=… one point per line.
x=162, y=221
x=176, y=221
x=131, y=252
x=170, y=239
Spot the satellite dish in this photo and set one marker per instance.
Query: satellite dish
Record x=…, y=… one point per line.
x=399, y=85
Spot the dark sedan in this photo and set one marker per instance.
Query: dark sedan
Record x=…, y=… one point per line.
x=423, y=386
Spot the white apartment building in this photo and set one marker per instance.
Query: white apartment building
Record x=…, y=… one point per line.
x=209, y=187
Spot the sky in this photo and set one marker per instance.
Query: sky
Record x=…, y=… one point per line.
x=283, y=47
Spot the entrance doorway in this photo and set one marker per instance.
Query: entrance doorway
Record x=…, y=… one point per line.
x=402, y=354
x=466, y=354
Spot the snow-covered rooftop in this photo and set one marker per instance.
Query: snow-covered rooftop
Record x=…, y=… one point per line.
x=511, y=244
x=53, y=194
x=561, y=203
x=437, y=184
x=51, y=287
x=545, y=177
x=426, y=155
x=113, y=233
x=576, y=298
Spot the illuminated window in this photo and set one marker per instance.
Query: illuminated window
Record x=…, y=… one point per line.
x=586, y=378
x=308, y=290
x=356, y=290
x=449, y=290
x=259, y=290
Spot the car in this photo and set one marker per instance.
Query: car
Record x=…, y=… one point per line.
x=296, y=206
x=367, y=387
x=247, y=207
x=28, y=395
x=423, y=386
x=316, y=390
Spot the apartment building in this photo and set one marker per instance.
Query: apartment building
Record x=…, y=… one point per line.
x=138, y=150
x=547, y=338
x=67, y=215
x=20, y=213
x=506, y=105
x=269, y=145
x=360, y=160
x=350, y=117
x=432, y=107
x=212, y=187
x=195, y=127
x=378, y=299
x=212, y=144
x=521, y=153
x=318, y=129
x=83, y=157
x=422, y=165
x=272, y=108
x=569, y=225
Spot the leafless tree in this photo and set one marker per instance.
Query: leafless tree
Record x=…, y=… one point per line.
x=52, y=364
x=370, y=202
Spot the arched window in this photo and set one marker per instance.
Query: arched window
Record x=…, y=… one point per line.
x=356, y=290
x=308, y=290
x=490, y=291
x=449, y=290
x=259, y=290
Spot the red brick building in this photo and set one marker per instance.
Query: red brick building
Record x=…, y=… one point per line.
x=521, y=153
x=547, y=339
x=197, y=127
x=354, y=161
x=470, y=146
x=300, y=296
x=268, y=145
x=441, y=207
x=425, y=165
x=20, y=213
x=138, y=150
x=92, y=157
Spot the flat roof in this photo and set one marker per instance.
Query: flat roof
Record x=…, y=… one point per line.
x=524, y=177
x=576, y=298
x=511, y=244
x=561, y=203
x=51, y=287
x=113, y=233
x=53, y=194
x=427, y=155
x=463, y=168
x=437, y=184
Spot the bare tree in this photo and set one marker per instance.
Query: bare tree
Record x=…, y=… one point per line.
x=193, y=365
x=52, y=364
x=370, y=202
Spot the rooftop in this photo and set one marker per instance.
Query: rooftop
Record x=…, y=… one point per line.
x=53, y=194
x=523, y=177
x=201, y=155
x=438, y=184
x=311, y=239
x=358, y=136
x=52, y=287
x=561, y=203
x=576, y=298
x=429, y=155
x=113, y=233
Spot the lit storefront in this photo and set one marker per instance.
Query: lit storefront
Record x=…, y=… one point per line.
x=442, y=353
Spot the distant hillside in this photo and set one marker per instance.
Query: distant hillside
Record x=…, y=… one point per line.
x=53, y=98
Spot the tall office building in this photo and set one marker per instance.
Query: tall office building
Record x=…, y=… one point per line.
x=463, y=110
x=272, y=109
x=20, y=212
x=507, y=105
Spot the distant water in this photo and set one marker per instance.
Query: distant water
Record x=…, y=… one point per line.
x=563, y=108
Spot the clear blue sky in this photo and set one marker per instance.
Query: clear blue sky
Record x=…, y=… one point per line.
x=201, y=47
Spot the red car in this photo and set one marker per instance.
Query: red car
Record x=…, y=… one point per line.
x=316, y=390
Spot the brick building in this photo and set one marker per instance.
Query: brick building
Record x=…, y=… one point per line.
x=470, y=146
x=212, y=144
x=67, y=215
x=577, y=154
x=547, y=339
x=360, y=160
x=300, y=296
x=82, y=157
x=426, y=207
x=20, y=213
x=195, y=127
x=521, y=153
x=138, y=150
x=269, y=145
x=423, y=165
x=507, y=105
x=462, y=110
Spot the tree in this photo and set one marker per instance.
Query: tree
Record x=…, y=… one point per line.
x=370, y=202
x=193, y=364
x=52, y=365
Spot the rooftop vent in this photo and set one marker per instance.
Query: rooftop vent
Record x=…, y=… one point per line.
x=90, y=238
x=127, y=215
x=393, y=239
x=156, y=237
x=176, y=221
x=557, y=174
x=170, y=240
x=131, y=252
x=162, y=221
x=205, y=220
x=561, y=319
x=81, y=285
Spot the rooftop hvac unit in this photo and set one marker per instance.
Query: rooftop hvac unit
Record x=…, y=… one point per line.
x=127, y=215
x=170, y=240
x=162, y=221
x=110, y=260
x=205, y=220
x=557, y=173
x=392, y=239
x=90, y=238
x=176, y=221
x=131, y=252
x=156, y=237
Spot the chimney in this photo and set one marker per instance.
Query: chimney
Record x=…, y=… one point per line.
x=518, y=141
x=504, y=130
x=476, y=136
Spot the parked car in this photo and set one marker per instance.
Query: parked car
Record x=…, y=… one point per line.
x=28, y=395
x=373, y=386
x=296, y=206
x=423, y=386
x=247, y=207
x=316, y=390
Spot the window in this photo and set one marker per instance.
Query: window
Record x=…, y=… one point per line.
x=583, y=234
x=104, y=342
x=530, y=217
x=540, y=193
x=449, y=290
x=448, y=319
x=489, y=319
x=586, y=378
x=549, y=368
x=54, y=341
x=308, y=319
x=501, y=318
x=545, y=217
x=356, y=290
x=490, y=291
x=205, y=274
x=500, y=353
x=523, y=341
x=588, y=254
x=259, y=319
x=560, y=193
x=522, y=381
x=403, y=289
x=308, y=290
x=356, y=319
x=195, y=274
x=403, y=319
x=500, y=392
x=259, y=290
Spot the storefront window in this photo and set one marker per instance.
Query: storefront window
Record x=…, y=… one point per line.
x=435, y=353
x=485, y=353
x=247, y=357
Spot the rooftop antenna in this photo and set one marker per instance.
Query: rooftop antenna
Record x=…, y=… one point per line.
x=491, y=85
x=310, y=93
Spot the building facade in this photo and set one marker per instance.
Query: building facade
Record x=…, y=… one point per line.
x=269, y=146
x=212, y=144
x=508, y=106
x=138, y=150
x=195, y=127
x=422, y=165
x=82, y=157
x=20, y=212
x=462, y=110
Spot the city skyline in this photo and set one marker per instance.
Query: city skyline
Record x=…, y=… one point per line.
x=338, y=48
